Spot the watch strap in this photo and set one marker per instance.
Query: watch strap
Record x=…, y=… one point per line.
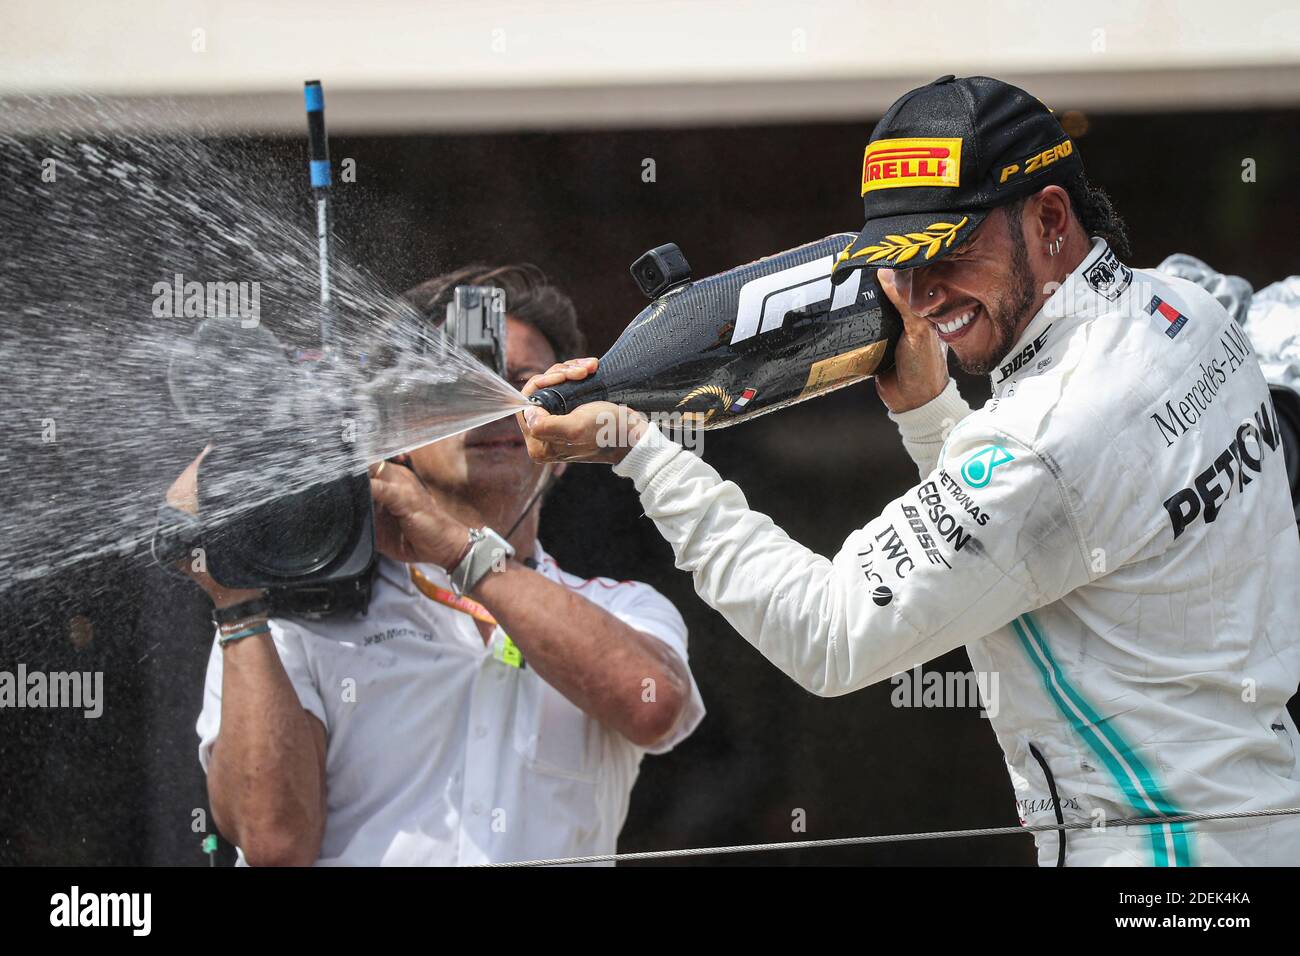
x=486, y=549
x=238, y=612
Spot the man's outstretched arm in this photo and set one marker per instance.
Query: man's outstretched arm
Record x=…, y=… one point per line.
x=919, y=580
x=944, y=564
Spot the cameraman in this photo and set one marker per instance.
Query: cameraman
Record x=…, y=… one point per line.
x=419, y=733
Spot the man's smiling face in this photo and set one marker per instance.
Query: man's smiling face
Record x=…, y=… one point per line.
x=981, y=295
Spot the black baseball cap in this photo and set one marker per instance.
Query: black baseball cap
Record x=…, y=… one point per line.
x=941, y=158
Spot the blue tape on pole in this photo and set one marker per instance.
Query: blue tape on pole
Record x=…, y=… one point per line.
x=320, y=173
x=315, y=97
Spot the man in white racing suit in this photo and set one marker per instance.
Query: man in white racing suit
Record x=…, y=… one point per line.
x=1112, y=534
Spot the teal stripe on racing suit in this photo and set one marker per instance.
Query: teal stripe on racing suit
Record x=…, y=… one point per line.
x=1130, y=773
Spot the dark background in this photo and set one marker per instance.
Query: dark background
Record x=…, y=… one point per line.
x=126, y=788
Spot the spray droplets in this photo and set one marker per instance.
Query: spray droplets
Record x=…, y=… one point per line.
x=112, y=266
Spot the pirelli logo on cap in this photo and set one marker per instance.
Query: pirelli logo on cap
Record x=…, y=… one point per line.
x=889, y=163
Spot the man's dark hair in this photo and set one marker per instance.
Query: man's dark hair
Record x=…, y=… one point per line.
x=530, y=298
x=1094, y=210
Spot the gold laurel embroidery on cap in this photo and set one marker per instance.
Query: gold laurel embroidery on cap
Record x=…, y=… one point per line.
x=901, y=248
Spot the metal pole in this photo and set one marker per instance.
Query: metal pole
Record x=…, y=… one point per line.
x=319, y=166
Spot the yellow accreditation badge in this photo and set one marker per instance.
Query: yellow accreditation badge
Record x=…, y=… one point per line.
x=506, y=651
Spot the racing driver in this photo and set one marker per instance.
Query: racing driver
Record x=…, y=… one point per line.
x=1112, y=533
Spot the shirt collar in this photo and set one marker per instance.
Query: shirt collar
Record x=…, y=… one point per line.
x=1076, y=298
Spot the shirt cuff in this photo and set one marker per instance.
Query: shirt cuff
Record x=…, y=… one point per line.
x=648, y=457
x=925, y=429
x=941, y=412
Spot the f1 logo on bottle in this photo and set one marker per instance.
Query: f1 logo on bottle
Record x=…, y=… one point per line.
x=764, y=302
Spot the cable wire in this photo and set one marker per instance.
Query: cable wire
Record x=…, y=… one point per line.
x=898, y=838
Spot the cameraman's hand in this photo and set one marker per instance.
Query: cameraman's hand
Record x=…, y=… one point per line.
x=183, y=495
x=410, y=525
x=920, y=369
x=596, y=432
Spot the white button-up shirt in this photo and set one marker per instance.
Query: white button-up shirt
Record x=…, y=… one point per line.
x=438, y=752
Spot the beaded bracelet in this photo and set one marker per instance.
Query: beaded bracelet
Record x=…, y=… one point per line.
x=261, y=628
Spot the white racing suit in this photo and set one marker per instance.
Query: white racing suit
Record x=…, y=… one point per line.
x=1111, y=534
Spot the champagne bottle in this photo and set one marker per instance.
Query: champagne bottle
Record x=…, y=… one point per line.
x=741, y=343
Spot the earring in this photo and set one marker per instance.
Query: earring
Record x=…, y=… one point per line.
x=930, y=294
x=1054, y=247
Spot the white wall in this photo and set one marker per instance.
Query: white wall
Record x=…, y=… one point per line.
x=437, y=64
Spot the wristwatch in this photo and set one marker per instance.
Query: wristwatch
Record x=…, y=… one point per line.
x=238, y=612
x=486, y=550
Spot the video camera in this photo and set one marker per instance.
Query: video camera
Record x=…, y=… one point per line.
x=284, y=492
x=312, y=548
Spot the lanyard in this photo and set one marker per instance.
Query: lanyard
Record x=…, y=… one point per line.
x=507, y=652
x=451, y=599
